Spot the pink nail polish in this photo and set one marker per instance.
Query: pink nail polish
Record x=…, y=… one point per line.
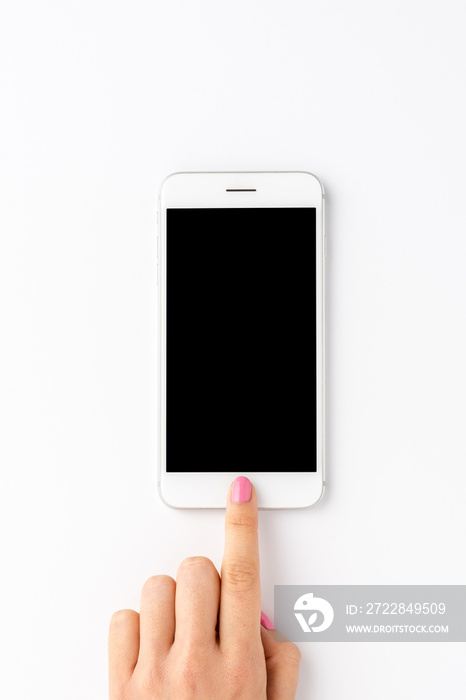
x=265, y=622
x=241, y=490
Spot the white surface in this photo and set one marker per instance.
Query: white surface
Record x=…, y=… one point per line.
x=99, y=102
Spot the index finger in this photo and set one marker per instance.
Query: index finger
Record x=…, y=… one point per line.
x=240, y=597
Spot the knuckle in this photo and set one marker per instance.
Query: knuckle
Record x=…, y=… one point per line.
x=189, y=676
x=240, y=573
x=240, y=669
x=148, y=682
x=196, y=664
x=237, y=675
x=242, y=521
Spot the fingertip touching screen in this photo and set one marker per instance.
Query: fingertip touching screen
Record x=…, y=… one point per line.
x=241, y=340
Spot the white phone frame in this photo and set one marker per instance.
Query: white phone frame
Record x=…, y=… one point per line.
x=209, y=190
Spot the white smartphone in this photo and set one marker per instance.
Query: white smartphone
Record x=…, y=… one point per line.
x=241, y=277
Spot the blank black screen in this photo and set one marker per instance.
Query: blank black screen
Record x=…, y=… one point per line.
x=241, y=340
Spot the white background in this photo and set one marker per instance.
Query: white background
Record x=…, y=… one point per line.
x=101, y=100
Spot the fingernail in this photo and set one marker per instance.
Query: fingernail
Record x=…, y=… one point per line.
x=265, y=622
x=241, y=490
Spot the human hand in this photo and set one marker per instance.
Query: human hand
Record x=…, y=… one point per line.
x=202, y=637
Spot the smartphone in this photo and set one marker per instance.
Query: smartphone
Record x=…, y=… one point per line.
x=241, y=281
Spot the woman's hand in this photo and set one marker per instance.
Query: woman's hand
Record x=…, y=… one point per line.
x=201, y=637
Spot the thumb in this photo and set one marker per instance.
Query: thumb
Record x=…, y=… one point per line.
x=282, y=659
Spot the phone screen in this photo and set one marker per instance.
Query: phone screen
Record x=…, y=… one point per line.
x=241, y=340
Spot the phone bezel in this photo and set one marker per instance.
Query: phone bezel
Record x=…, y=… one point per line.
x=209, y=190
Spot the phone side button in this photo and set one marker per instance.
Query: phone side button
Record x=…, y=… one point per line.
x=325, y=246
